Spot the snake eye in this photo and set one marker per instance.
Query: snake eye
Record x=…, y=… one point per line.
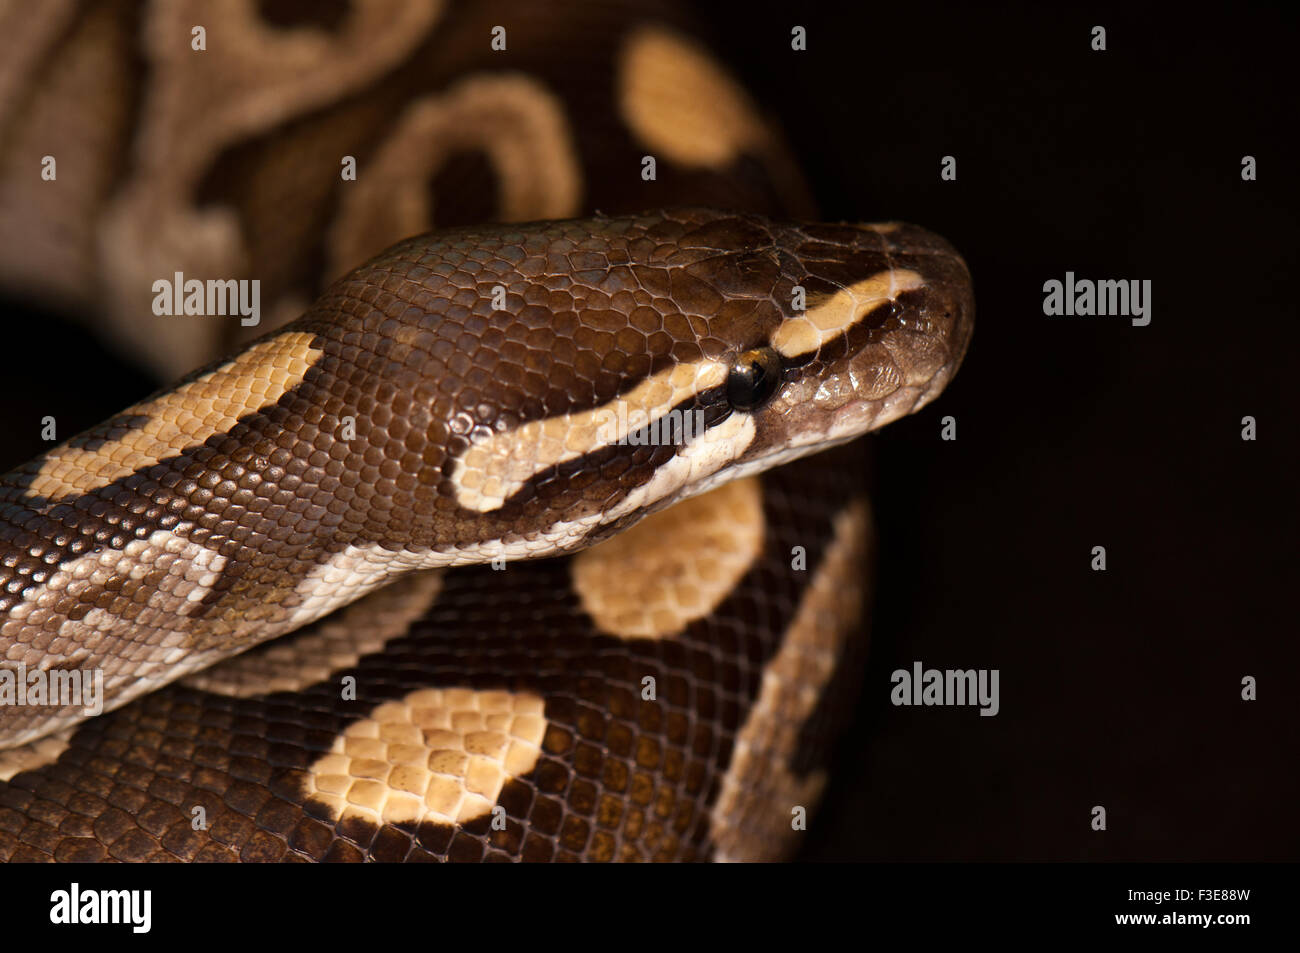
x=753, y=378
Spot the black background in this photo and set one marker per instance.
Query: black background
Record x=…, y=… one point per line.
x=1120, y=688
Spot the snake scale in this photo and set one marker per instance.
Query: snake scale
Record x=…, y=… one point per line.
x=309, y=575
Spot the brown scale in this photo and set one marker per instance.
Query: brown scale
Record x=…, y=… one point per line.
x=85, y=84
x=410, y=346
x=619, y=778
x=125, y=786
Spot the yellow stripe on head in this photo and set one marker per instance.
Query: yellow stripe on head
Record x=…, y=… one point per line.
x=496, y=466
x=832, y=317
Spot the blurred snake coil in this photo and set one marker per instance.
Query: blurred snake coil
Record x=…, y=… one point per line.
x=541, y=536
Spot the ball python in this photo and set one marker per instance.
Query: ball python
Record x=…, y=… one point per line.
x=520, y=543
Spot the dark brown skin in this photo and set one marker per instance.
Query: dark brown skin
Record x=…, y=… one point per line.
x=414, y=352
x=283, y=493
x=594, y=307
x=620, y=778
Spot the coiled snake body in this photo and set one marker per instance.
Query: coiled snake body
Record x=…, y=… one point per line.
x=609, y=387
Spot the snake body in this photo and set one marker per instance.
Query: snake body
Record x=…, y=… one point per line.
x=604, y=389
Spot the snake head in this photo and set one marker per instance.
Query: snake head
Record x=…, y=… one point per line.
x=626, y=363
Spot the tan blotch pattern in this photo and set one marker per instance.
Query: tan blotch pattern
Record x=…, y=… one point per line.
x=673, y=567
x=751, y=819
x=517, y=122
x=335, y=644
x=497, y=465
x=190, y=570
x=837, y=313
x=680, y=102
x=35, y=754
x=254, y=77
x=440, y=755
x=181, y=418
x=138, y=639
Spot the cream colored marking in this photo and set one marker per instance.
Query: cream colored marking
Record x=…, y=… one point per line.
x=514, y=119
x=336, y=643
x=190, y=572
x=700, y=466
x=809, y=444
x=350, y=574
x=255, y=77
x=832, y=317
x=357, y=570
x=497, y=465
x=181, y=418
x=882, y=228
x=440, y=755
x=675, y=566
x=750, y=820
x=138, y=645
x=143, y=646
x=559, y=537
x=36, y=754
x=681, y=104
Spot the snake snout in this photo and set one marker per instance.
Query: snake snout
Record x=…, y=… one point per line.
x=935, y=321
x=883, y=336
